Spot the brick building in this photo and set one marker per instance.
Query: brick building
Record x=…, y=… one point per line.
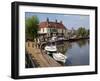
x=49, y=28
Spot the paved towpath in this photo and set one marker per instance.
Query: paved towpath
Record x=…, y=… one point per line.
x=41, y=58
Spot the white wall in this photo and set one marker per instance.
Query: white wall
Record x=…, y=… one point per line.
x=43, y=30
x=5, y=40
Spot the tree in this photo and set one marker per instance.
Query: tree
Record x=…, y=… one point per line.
x=87, y=33
x=31, y=27
x=82, y=32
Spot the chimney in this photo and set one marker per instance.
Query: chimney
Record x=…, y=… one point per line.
x=61, y=22
x=47, y=19
x=56, y=20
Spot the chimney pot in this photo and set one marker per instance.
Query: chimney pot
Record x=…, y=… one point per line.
x=47, y=19
x=61, y=22
x=56, y=20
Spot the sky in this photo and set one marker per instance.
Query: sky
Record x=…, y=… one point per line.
x=69, y=20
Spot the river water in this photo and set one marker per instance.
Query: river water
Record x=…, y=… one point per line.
x=77, y=52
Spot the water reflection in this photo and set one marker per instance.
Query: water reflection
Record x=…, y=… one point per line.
x=77, y=52
x=64, y=46
x=82, y=43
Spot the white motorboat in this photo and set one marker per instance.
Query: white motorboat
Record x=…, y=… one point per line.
x=56, y=55
x=50, y=48
x=54, y=38
x=59, y=57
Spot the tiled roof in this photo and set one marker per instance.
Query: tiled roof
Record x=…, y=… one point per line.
x=51, y=25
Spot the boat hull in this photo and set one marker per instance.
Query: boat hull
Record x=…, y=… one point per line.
x=59, y=57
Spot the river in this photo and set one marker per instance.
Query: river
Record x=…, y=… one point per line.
x=77, y=52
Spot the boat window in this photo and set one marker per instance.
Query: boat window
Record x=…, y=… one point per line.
x=53, y=51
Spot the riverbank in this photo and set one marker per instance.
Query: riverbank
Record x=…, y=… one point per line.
x=69, y=40
x=76, y=39
x=41, y=59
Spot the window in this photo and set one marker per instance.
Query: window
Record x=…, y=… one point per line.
x=43, y=29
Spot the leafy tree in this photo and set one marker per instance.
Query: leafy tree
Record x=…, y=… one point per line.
x=87, y=33
x=82, y=32
x=31, y=27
